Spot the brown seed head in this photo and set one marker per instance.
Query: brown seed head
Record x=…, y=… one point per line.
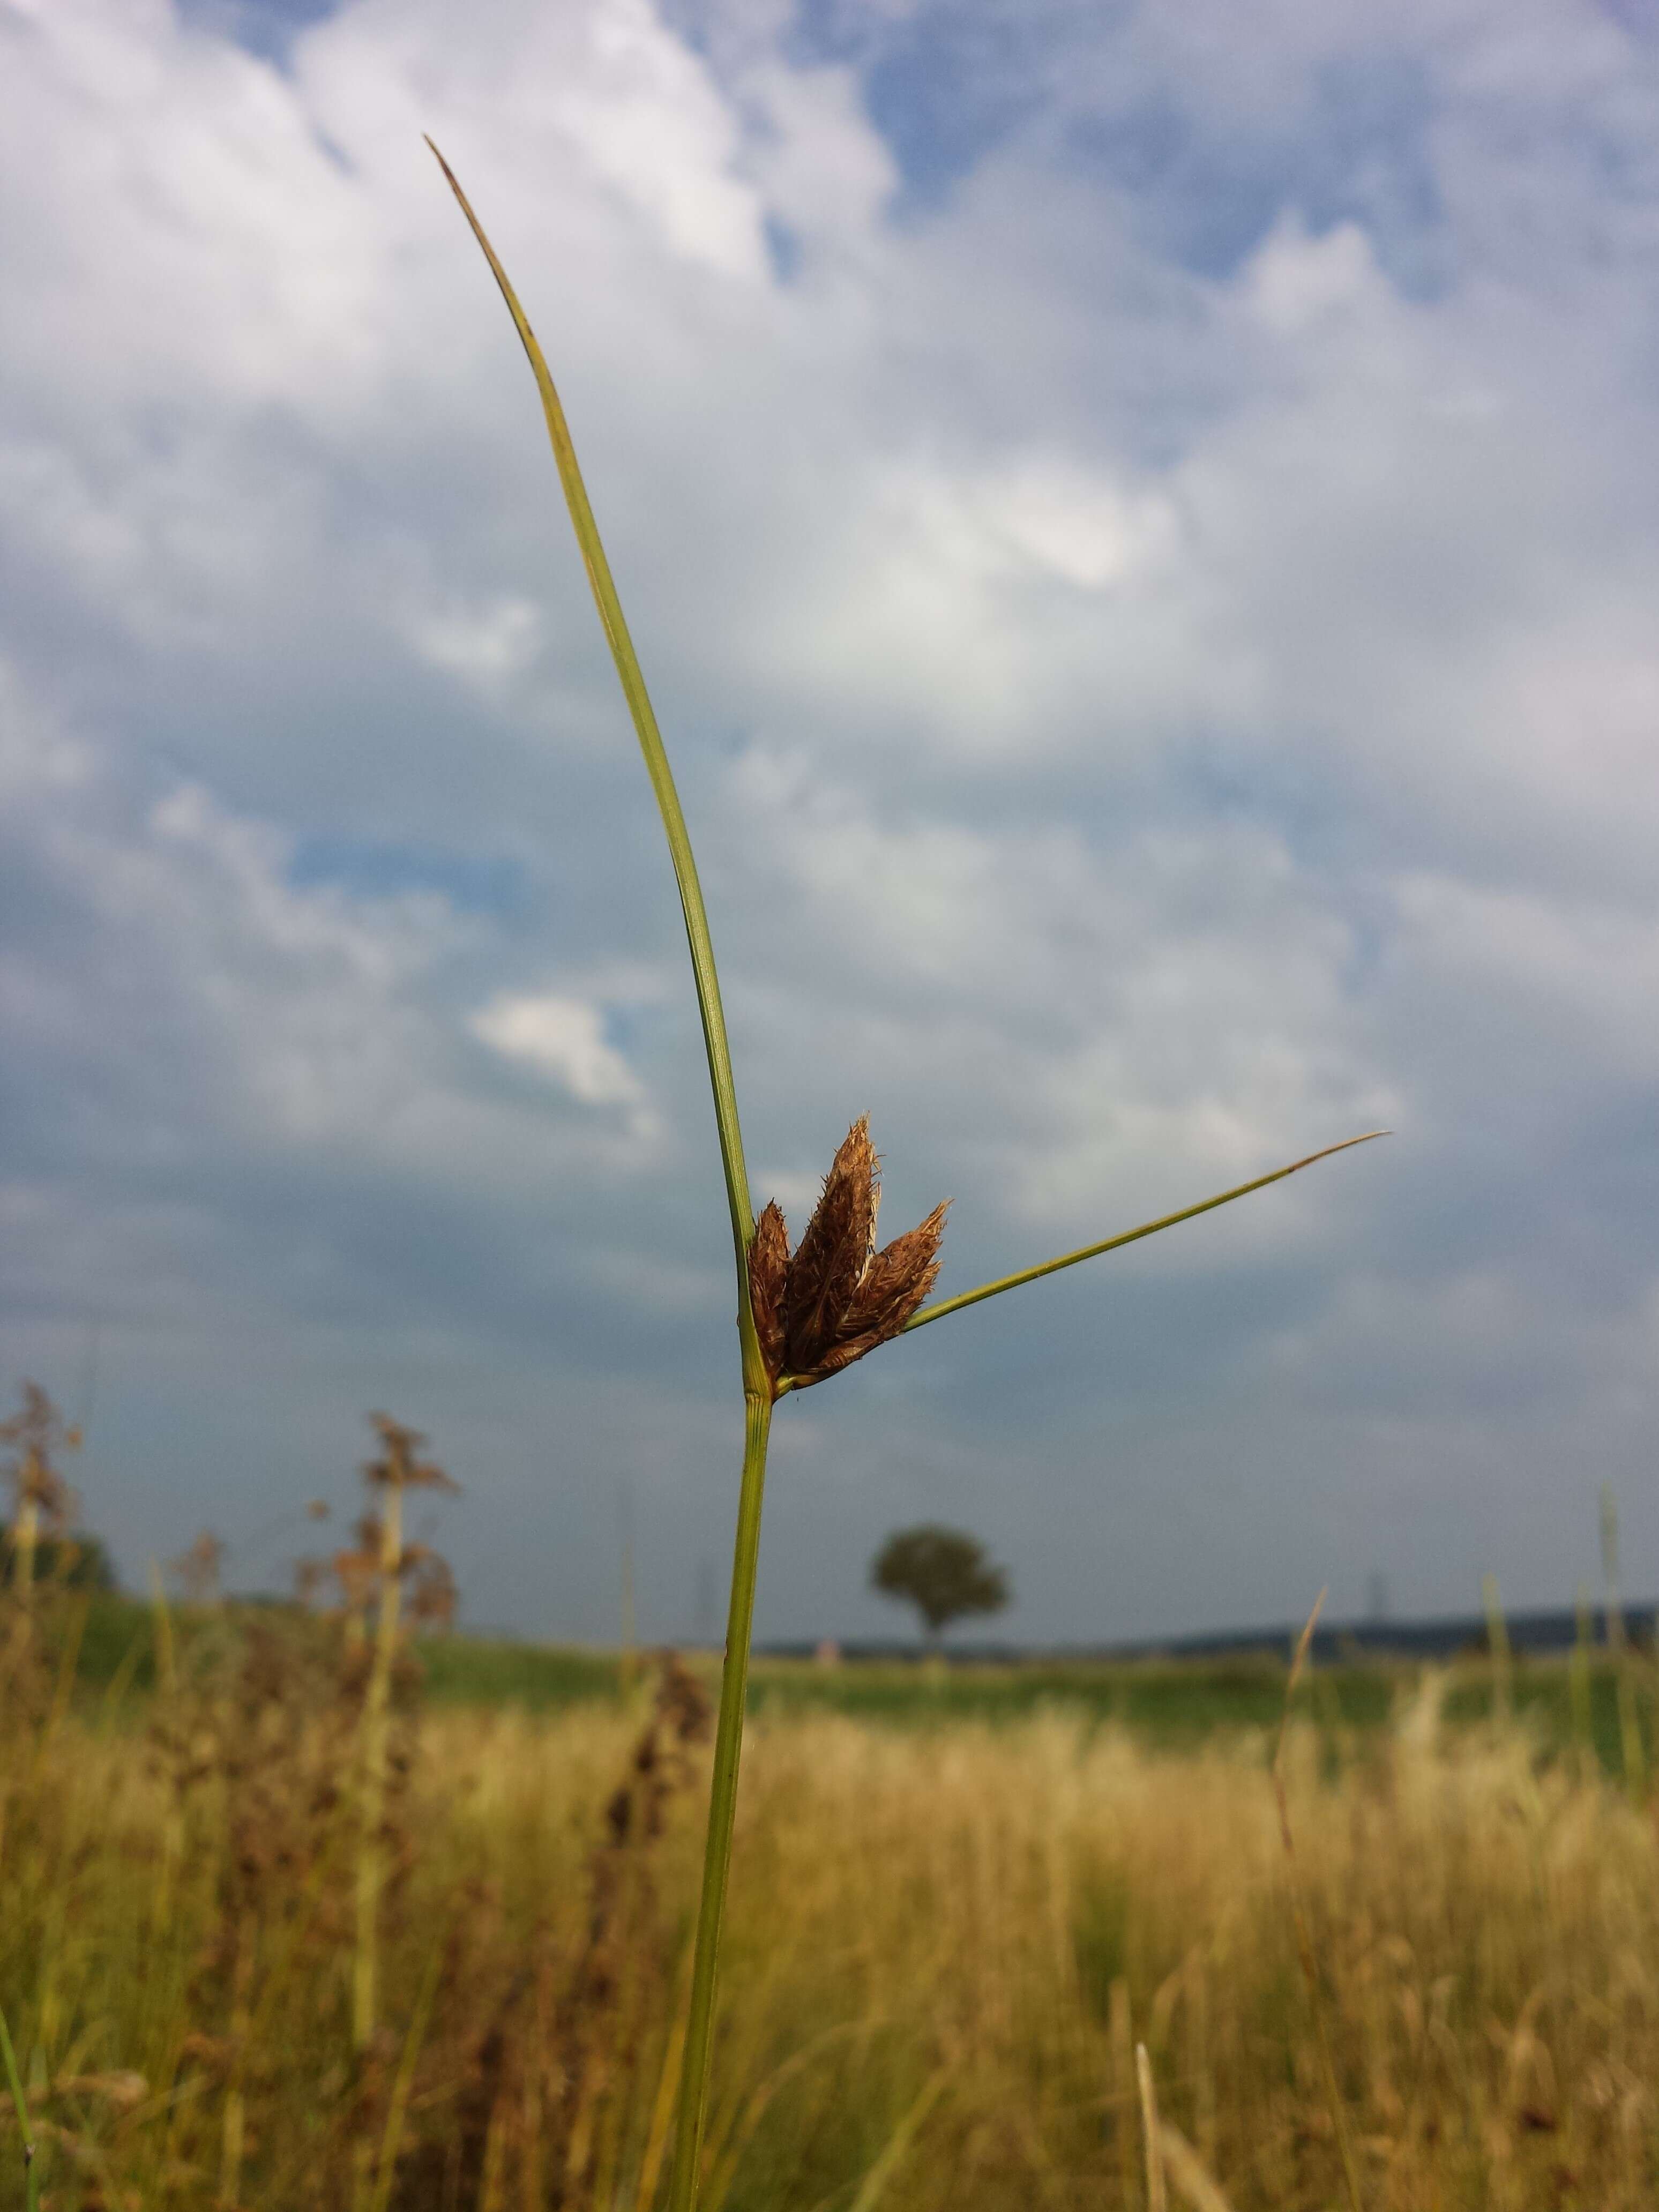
x=357, y=1573
x=37, y=1434
x=399, y=1465
x=768, y=1266
x=895, y=1286
x=832, y=1256
x=199, y=1567
x=431, y=1586
x=838, y=1298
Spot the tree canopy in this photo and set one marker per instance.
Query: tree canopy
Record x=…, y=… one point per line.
x=944, y=1572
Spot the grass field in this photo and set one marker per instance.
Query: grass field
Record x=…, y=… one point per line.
x=1162, y=1703
x=957, y=1906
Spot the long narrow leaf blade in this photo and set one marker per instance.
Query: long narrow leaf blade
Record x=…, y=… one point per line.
x=1128, y=1236
x=651, y=745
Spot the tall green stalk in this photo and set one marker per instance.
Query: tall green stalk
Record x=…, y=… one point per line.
x=722, y=1807
x=759, y=1388
x=756, y=1384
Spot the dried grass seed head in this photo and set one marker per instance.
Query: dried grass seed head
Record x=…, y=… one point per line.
x=400, y=1465
x=837, y=1298
x=197, y=1570
x=768, y=1269
x=432, y=1595
x=37, y=1433
x=358, y=1574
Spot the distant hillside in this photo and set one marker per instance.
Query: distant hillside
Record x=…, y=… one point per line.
x=1555, y=1629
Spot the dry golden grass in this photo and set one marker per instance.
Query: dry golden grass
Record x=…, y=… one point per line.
x=943, y=1947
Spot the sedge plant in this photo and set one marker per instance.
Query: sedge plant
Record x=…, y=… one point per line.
x=802, y=1316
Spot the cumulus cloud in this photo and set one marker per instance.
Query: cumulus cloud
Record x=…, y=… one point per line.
x=1145, y=554
x=565, y=1039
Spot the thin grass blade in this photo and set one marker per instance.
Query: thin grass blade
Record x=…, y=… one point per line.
x=1190, y=2173
x=882, y=2172
x=1158, y=2196
x=651, y=745
x=1128, y=1236
x=14, y=2083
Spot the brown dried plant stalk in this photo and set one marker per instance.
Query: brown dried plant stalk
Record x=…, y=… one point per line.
x=43, y=1505
x=387, y=1561
x=801, y=1317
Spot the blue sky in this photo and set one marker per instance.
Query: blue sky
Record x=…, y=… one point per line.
x=1143, y=526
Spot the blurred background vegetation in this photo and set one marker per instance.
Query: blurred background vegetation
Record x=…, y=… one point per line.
x=315, y=1900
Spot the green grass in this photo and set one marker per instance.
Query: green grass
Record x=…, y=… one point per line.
x=1172, y=1702
x=532, y=1678
x=989, y=1913
x=117, y=1659
x=1175, y=1705
x=1182, y=1704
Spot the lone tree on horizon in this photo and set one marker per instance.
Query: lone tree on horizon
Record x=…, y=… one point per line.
x=944, y=1572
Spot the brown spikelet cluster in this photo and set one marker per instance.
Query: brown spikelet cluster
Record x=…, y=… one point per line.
x=837, y=1297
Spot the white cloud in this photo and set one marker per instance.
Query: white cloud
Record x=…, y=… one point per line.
x=1087, y=534
x=562, y=1038
x=651, y=124
x=1300, y=287
x=1072, y=1032
x=487, y=645
x=822, y=166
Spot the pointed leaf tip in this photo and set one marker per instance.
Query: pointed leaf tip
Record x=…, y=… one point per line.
x=1133, y=1236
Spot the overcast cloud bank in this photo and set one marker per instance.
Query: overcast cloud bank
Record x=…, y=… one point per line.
x=1143, y=529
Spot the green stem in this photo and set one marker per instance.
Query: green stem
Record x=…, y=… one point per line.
x=722, y=1808
x=1127, y=1236
x=31, y=2179
x=757, y=1382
